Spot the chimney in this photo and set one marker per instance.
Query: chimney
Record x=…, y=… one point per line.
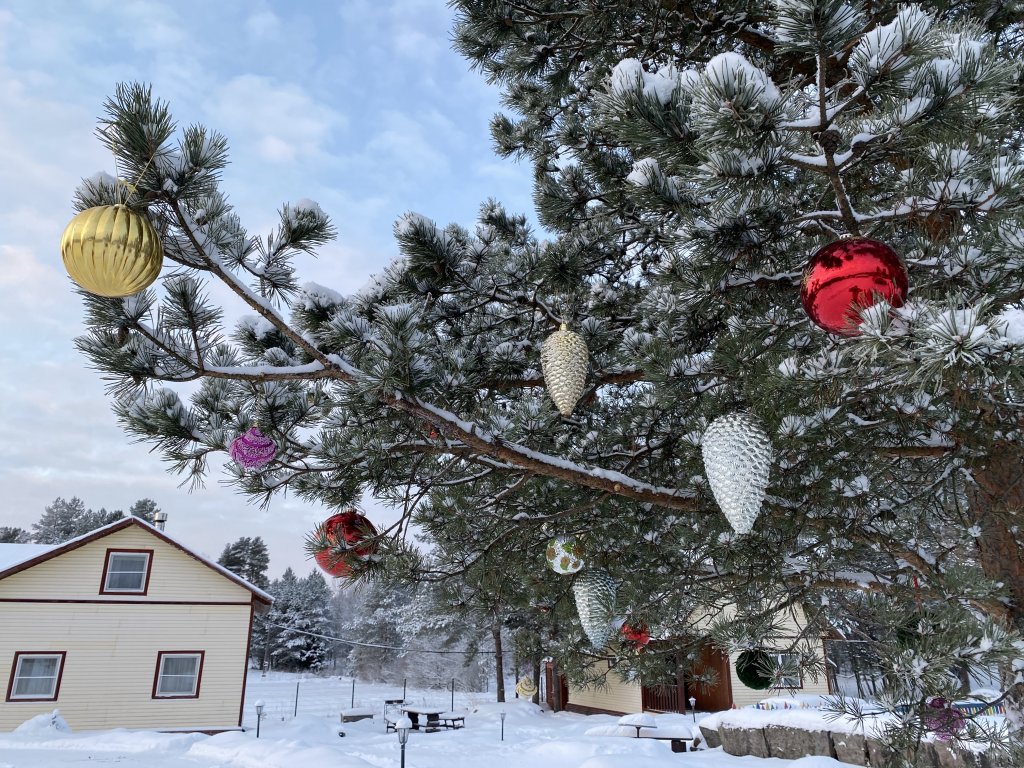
x=159, y=520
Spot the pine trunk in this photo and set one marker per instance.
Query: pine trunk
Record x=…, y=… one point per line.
x=499, y=663
x=536, y=679
x=997, y=506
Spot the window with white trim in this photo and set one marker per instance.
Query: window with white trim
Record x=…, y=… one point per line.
x=36, y=676
x=126, y=571
x=178, y=674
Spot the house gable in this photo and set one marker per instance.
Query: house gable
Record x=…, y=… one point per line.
x=75, y=571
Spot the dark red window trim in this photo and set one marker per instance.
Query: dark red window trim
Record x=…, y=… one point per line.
x=199, y=675
x=14, y=669
x=106, y=565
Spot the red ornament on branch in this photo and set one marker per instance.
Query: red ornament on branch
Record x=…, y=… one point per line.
x=637, y=636
x=847, y=276
x=342, y=541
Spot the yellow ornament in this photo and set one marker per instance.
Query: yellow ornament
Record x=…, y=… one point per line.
x=111, y=250
x=525, y=687
x=564, y=359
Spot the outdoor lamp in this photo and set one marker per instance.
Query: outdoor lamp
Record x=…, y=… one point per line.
x=259, y=715
x=402, y=728
x=693, y=707
x=503, y=725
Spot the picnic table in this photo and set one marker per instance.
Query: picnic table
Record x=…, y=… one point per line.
x=639, y=720
x=437, y=717
x=679, y=735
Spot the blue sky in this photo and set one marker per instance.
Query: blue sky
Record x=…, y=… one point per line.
x=360, y=106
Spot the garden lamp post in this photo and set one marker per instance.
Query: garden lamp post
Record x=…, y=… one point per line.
x=503, y=725
x=693, y=707
x=259, y=716
x=402, y=728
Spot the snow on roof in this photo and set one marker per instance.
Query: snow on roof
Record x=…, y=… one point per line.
x=13, y=554
x=29, y=551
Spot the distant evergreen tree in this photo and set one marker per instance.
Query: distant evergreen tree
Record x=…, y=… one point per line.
x=12, y=535
x=144, y=509
x=311, y=614
x=248, y=557
x=65, y=520
x=302, y=608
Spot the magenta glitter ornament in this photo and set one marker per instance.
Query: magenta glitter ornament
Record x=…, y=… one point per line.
x=942, y=719
x=253, y=449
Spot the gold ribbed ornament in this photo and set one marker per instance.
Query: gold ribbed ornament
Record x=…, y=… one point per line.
x=111, y=250
x=564, y=358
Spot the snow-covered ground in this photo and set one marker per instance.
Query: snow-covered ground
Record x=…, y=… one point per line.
x=310, y=740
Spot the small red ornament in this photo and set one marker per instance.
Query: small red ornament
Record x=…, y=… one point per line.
x=848, y=275
x=638, y=636
x=342, y=540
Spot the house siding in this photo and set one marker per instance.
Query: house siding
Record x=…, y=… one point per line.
x=76, y=575
x=617, y=696
x=112, y=640
x=626, y=697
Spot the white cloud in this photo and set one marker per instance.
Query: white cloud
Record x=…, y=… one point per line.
x=281, y=120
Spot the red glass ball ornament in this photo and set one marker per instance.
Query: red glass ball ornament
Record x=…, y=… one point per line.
x=342, y=540
x=848, y=275
x=637, y=636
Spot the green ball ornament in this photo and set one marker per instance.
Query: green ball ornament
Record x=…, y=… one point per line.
x=750, y=669
x=565, y=555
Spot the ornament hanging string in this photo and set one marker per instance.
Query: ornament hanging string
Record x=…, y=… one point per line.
x=130, y=186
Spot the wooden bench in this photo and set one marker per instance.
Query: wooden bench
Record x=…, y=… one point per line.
x=451, y=720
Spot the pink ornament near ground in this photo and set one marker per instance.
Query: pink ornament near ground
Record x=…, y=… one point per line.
x=253, y=449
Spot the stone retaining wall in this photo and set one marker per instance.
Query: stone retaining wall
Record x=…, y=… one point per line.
x=792, y=743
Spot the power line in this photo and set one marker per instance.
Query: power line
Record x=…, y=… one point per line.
x=372, y=645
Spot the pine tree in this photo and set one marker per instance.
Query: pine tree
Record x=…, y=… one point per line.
x=689, y=158
x=14, y=535
x=144, y=509
x=248, y=557
x=63, y=520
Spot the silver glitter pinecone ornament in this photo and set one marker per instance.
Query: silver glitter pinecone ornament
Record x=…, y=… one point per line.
x=594, y=590
x=737, y=460
x=564, y=359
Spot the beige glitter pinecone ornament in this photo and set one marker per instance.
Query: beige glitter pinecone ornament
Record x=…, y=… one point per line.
x=564, y=359
x=737, y=460
x=594, y=590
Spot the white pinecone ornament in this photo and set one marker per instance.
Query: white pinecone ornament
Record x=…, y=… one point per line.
x=565, y=555
x=564, y=359
x=594, y=590
x=737, y=459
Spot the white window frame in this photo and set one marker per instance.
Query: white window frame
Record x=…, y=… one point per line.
x=108, y=572
x=16, y=675
x=161, y=658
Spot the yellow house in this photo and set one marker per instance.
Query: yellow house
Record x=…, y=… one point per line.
x=617, y=696
x=123, y=627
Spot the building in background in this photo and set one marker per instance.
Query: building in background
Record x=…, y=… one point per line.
x=124, y=627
